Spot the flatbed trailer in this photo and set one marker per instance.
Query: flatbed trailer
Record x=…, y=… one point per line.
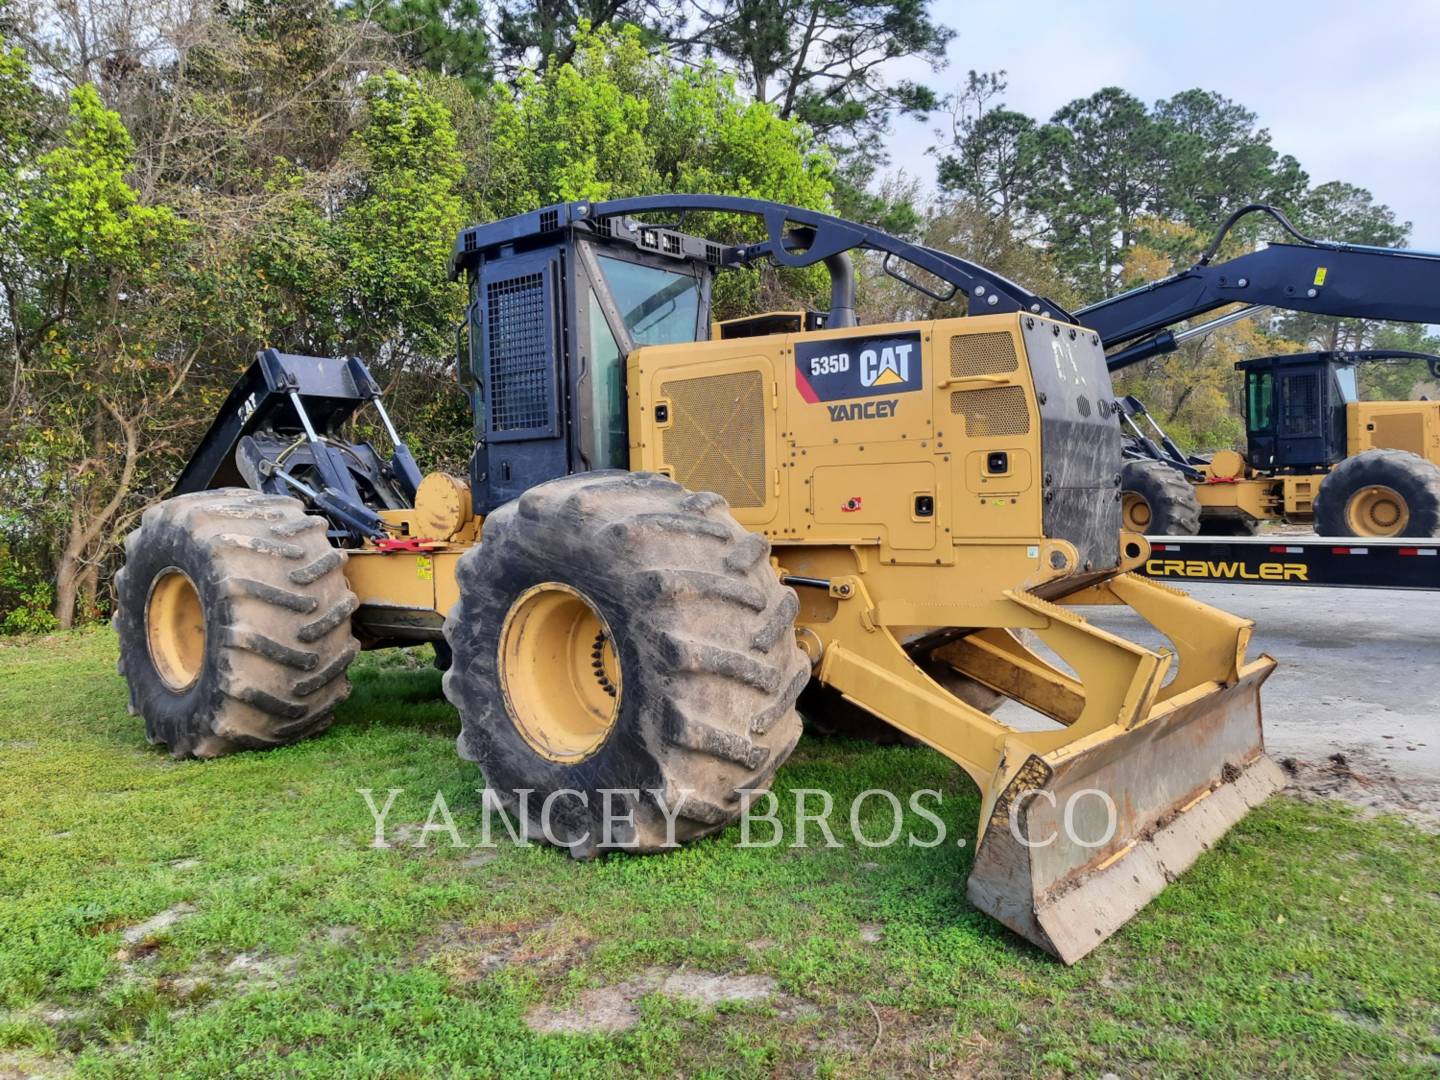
x=1329, y=561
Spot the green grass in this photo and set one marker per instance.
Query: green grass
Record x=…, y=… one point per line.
x=1307, y=943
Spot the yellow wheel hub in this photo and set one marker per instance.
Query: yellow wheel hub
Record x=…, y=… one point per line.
x=175, y=629
x=1377, y=511
x=1136, y=512
x=559, y=672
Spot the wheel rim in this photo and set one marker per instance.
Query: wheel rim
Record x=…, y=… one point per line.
x=1377, y=511
x=175, y=629
x=559, y=673
x=1137, y=512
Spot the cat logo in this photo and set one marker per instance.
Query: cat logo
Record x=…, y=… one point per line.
x=843, y=369
x=886, y=367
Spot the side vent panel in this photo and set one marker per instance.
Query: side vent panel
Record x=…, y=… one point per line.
x=716, y=438
x=519, y=367
x=982, y=354
x=998, y=410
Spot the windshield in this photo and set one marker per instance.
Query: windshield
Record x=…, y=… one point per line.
x=658, y=307
x=1345, y=376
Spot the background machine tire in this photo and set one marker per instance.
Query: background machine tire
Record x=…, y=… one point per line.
x=1380, y=493
x=658, y=597
x=1158, y=500
x=233, y=617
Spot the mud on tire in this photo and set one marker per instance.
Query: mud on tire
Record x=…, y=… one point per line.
x=275, y=607
x=1413, y=478
x=1169, y=499
x=701, y=632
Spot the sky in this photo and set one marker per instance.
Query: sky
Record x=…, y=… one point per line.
x=1352, y=90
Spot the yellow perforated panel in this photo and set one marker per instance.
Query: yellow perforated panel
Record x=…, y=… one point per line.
x=982, y=354
x=998, y=410
x=716, y=438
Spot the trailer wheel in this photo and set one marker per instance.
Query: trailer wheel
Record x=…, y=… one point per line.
x=1380, y=493
x=1157, y=500
x=616, y=632
x=233, y=620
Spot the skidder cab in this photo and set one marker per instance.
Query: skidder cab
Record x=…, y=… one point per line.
x=670, y=526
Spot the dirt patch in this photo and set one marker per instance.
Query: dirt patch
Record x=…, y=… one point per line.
x=706, y=988
x=602, y=1010
x=871, y=932
x=240, y=973
x=1360, y=777
x=470, y=953
x=27, y=1065
x=250, y=971
x=142, y=939
x=153, y=925
x=615, y=1008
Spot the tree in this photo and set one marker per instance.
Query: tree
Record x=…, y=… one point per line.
x=1099, y=164
x=1218, y=160
x=992, y=160
x=531, y=34
x=448, y=37
x=822, y=61
x=93, y=280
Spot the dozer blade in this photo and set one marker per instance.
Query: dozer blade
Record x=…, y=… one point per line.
x=1083, y=837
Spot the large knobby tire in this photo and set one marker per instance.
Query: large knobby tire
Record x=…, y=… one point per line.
x=1380, y=493
x=233, y=617
x=662, y=599
x=1157, y=500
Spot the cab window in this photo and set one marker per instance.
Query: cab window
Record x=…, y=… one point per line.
x=1260, y=406
x=607, y=393
x=658, y=307
x=1345, y=376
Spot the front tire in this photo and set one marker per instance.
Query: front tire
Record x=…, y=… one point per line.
x=233, y=619
x=1380, y=493
x=616, y=632
x=1156, y=500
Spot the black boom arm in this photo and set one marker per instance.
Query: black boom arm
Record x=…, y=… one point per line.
x=1324, y=278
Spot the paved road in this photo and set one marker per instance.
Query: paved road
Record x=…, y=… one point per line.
x=1359, y=676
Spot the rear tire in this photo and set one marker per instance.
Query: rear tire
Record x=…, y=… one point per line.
x=1157, y=500
x=1380, y=493
x=233, y=618
x=672, y=608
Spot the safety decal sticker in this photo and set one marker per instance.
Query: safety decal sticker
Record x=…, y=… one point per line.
x=839, y=368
